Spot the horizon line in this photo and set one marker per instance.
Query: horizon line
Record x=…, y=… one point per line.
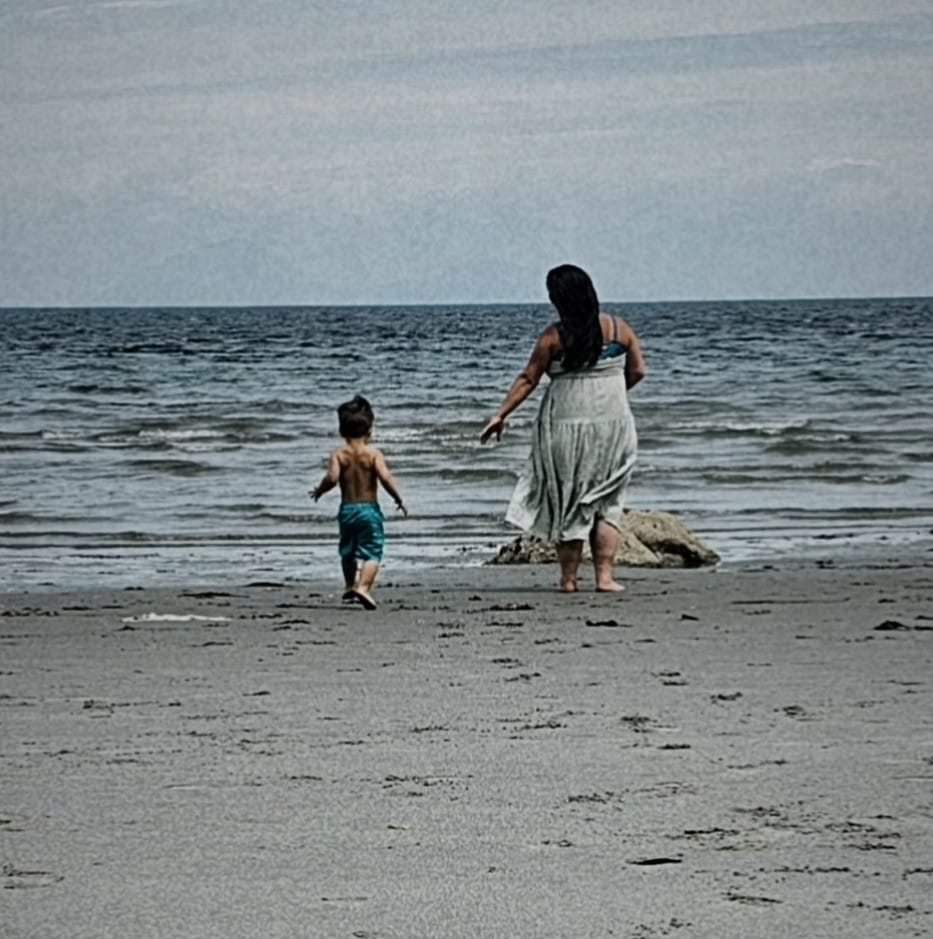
x=447, y=304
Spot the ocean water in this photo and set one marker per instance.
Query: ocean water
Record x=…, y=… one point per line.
x=157, y=446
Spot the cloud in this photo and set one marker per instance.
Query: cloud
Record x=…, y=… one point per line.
x=88, y=8
x=842, y=164
x=699, y=52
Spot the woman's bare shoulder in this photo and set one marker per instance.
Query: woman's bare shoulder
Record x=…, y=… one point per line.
x=615, y=326
x=550, y=338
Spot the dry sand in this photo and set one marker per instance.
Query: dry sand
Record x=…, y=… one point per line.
x=719, y=754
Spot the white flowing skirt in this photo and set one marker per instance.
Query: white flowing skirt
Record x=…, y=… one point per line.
x=583, y=450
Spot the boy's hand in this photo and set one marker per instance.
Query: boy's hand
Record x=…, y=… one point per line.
x=401, y=507
x=315, y=494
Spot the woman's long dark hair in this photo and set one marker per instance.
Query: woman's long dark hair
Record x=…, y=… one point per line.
x=574, y=296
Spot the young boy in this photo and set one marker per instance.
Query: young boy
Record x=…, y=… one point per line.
x=359, y=468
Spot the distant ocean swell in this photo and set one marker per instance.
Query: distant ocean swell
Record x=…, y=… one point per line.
x=143, y=446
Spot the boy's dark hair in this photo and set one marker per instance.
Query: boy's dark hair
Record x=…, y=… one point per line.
x=356, y=418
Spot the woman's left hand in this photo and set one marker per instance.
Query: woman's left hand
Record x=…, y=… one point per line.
x=495, y=426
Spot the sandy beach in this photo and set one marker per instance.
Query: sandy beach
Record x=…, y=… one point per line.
x=740, y=752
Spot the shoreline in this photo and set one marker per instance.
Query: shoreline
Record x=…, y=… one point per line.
x=722, y=751
x=843, y=549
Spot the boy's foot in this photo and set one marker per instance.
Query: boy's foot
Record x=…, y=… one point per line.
x=569, y=586
x=349, y=596
x=610, y=586
x=368, y=602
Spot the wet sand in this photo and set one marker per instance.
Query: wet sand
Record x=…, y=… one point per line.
x=743, y=752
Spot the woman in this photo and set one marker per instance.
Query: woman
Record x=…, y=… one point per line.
x=584, y=445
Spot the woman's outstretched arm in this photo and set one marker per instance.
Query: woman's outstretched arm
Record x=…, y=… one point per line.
x=526, y=381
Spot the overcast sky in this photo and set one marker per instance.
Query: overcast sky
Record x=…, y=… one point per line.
x=418, y=151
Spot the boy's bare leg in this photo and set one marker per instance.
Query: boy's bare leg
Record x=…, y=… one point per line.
x=569, y=553
x=350, y=574
x=604, y=540
x=364, y=586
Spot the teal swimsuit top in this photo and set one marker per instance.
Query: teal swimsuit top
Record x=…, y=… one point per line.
x=612, y=349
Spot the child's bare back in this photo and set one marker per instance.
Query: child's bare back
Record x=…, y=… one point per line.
x=360, y=467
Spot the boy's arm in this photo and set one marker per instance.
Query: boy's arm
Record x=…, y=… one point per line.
x=388, y=481
x=331, y=478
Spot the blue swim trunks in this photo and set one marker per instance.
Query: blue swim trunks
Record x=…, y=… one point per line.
x=361, y=534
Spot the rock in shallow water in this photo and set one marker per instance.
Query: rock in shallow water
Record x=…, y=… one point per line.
x=649, y=539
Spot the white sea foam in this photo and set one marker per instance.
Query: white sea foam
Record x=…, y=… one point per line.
x=174, y=618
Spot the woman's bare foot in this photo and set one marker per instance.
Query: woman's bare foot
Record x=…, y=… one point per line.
x=569, y=554
x=611, y=586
